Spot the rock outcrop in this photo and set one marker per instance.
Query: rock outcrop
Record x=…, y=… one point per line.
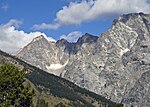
x=116, y=64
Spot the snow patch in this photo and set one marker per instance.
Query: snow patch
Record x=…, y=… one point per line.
x=122, y=51
x=56, y=66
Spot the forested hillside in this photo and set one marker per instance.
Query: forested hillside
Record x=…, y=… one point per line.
x=46, y=90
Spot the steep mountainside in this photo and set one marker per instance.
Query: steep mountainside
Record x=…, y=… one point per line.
x=115, y=65
x=56, y=91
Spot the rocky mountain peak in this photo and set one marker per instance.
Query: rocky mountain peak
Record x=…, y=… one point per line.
x=87, y=38
x=62, y=42
x=131, y=16
x=38, y=38
x=117, y=65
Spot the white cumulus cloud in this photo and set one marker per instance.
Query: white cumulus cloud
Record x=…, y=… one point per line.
x=46, y=26
x=78, y=12
x=72, y=37
x=11, y=39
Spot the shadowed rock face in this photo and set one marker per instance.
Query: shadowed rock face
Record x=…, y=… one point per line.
x=115, y=65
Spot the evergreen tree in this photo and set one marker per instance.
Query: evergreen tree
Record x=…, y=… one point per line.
x=12, y=90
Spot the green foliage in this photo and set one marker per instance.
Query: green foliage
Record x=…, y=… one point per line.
x=12, y=90
x=42, y=103
x=119, y=105
x=59, y=87
x=60, y=105
x=62, y=88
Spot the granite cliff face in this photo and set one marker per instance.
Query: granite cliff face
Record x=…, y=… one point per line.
x=115, y=64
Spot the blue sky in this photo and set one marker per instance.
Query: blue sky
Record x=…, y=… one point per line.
x=27, y=19
x=44, y=11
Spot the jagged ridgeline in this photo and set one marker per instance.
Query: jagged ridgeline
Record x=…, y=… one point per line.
x=53, y=91
x=115, y=65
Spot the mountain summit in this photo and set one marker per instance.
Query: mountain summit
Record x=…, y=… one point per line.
x=115, y=65
x=87, y=38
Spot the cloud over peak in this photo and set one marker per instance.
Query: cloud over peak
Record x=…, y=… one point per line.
x=11, y=39
x=87, y=10
x=12, y=22
x=72, y=37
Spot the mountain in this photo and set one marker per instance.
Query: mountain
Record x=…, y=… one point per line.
x=56, y=91
x=115, y=65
